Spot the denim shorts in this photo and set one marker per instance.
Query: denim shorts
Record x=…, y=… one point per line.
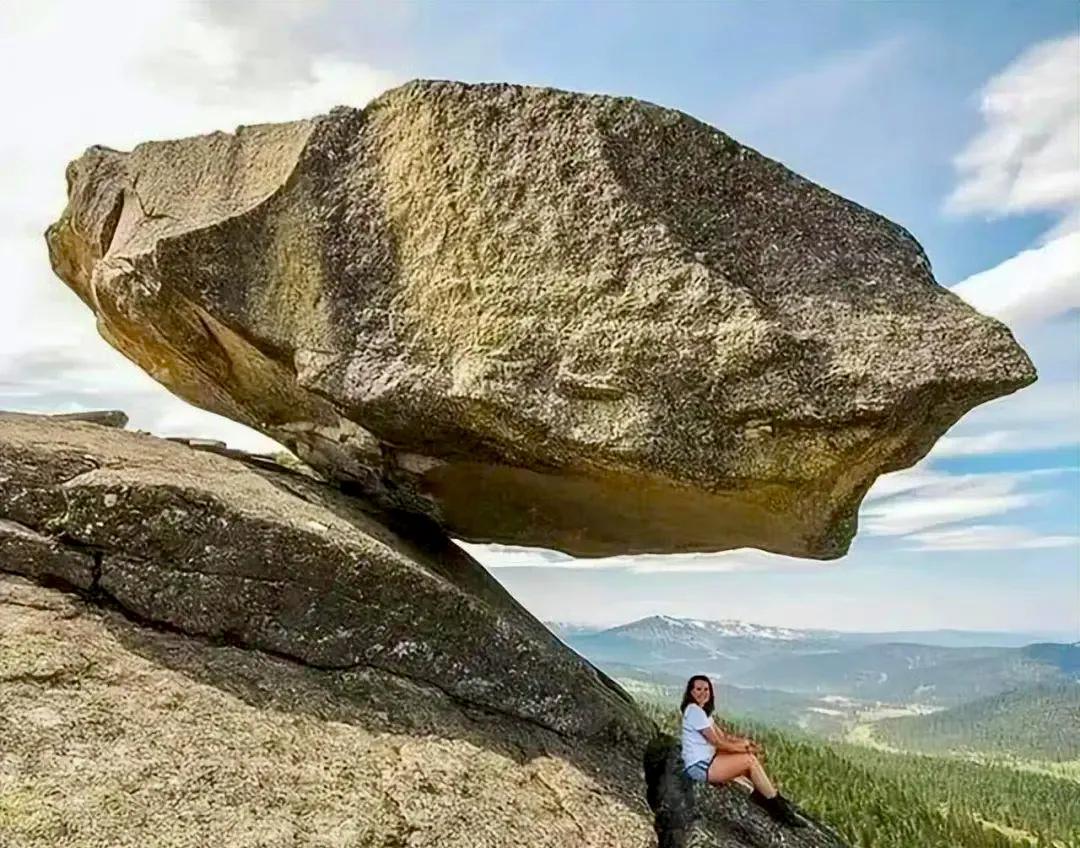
x=698, y=771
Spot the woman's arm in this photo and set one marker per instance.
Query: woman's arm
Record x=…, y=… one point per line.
x=755, y=748
x=725, y=744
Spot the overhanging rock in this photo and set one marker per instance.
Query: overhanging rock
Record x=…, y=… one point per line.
x=537, y=317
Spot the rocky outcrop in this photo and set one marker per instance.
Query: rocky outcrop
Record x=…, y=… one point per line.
x=212, y=652
x=536, y=317
x=116, y=735
x=277, y=561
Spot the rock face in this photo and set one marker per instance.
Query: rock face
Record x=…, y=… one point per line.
x=120, y=736
x=536, y=317
x=277, y=561
x=218, y=653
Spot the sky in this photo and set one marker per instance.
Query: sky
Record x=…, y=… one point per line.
x=959, y=120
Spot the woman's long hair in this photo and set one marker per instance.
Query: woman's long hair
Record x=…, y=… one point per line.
x=686, y=699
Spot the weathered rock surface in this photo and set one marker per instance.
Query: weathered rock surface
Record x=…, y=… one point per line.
x=122, y=725
x=538, y=317
x=114, y=735
x=277, y=561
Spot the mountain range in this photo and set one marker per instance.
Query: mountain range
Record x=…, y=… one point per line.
x=940, y=668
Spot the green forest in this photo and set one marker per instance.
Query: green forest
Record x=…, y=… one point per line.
x=878, y=799
x=1040, y=723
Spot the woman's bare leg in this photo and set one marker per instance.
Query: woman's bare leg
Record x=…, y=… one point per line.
x=725, y=767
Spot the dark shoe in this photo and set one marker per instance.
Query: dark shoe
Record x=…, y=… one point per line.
x=780, y=809
x=759, y=799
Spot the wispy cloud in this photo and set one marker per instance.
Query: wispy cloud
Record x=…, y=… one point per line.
x=823, y=88
x=898, y=482
x=1027, y=156
x=1030, y=287
x=936, y=499
x=990, y=537
x=1026, y=159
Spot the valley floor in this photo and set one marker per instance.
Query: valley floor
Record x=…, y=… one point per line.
x=863, y=734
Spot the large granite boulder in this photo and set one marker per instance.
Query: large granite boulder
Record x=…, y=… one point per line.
x=537, y=317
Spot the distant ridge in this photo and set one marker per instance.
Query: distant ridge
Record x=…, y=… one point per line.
x=726, y=627
x=928, y=668
x=943, y=637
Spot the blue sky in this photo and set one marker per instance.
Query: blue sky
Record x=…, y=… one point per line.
x=959, y=120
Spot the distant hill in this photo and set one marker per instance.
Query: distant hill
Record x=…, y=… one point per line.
x=904, y=673
x=823, y=662
x=1040, y=722
x=962, y=638
x=688, y=646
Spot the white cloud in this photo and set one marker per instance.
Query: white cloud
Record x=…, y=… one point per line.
x=1026, y=159
x=990, y=537
x=888, y=485
x=506, y=556
x=1002, y=441
x=900, y=518
x=1030, y=287
x=1027, y=156
x=118, y=73
x=936, y=499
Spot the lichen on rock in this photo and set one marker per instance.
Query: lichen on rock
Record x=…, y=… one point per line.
x=277, y=561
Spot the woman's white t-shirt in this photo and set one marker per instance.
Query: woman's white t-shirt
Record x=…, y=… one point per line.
x=695, y=747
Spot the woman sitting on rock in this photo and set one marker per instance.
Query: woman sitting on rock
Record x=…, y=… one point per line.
x=710, y=755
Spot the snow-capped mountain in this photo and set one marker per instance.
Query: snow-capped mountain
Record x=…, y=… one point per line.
x=666, y=626
x=934, y=666
x=677, y=644
x=567, y=629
